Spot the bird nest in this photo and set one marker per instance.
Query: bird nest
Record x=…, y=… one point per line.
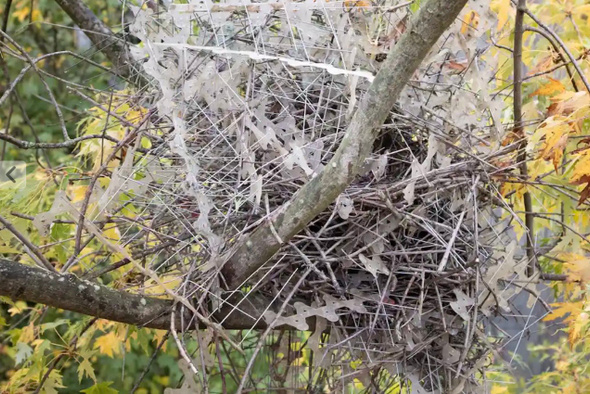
x=388, y=286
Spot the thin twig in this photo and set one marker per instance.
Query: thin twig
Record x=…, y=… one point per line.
x=519, y=132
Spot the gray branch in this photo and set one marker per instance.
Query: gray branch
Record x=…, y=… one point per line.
x=101, y=36
x=67, y=291
x=434, y=17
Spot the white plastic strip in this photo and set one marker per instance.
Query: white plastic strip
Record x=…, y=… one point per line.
x=258, y=56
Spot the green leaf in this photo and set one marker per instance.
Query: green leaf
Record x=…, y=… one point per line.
x=23, y=351
x=85, y=369
x=100, y=388
x=53, y=382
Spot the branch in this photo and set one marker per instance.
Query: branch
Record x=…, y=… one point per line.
x=402, y=61
x=519, y=132
x=67, y=291
x=101, y=36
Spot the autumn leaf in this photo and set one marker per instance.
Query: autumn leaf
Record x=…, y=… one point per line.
x=576, y=266
x=552, y=87
x=108, y=344
x=556, y=132
x=578, y=327
x=502, y=9
x=568, y=102
x=561, y=309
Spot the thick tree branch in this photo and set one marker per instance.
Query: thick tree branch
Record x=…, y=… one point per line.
x=67, y=291
x=427, y=26
x=101, y=36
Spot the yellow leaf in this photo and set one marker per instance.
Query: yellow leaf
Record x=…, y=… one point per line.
x=549, y=89
x=21, y=14
x=577, y=327
x=85, y=369
x=502, y=9
x=498, y=389
x=112, y=233
x=556, y=131
x=170, y=283
x=78, y=192
x=8, y=249
x=19, y=307
x=568, y=102
x=36, y=15
x=470, y=22
x=563, y=308
x=108, y=344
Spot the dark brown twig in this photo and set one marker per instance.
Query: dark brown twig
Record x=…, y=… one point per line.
x=519, y=132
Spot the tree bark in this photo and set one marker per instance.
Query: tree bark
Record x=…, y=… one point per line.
x=434, y=17
x=67, y=291
x=101, y=36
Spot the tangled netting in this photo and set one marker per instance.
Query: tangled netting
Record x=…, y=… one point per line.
x=250, y=102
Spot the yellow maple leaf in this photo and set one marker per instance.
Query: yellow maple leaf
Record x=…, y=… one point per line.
x=578, y=269
x=556, y=130
x=77, y=192
x=564, y=308
x=108, y=344
x=19, y=307
x=567, y=103
x=552, y=87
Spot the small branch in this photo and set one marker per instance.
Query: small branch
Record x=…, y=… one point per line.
x=557, y=50
x=43, y=82
x=554, y=277
x=31, y=249
x=101, y=36
x=519, y=132
x=22, y=144
x=561, y=43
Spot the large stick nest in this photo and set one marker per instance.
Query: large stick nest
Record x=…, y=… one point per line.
x=251, y=103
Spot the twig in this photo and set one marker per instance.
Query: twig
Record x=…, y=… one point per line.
x=31, y=249
x=519, y=131
x=181, y=348
x=556, y=49
x=560, y=41
x=44, y=82
x=53, y=145
x=269, y=328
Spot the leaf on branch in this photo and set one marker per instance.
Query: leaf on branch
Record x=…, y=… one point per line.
x=549, y=89
x=23, y=352
x=556, y=131
x=108, y=344
x=85, y=369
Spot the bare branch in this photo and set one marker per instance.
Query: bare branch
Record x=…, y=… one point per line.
x=67, y=291
x=101, y=35
x=519, y=132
